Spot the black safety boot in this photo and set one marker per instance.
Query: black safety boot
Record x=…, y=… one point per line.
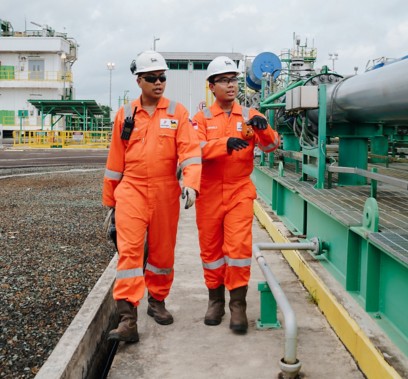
x=127, y=328
x=237, y=305
x=216, y=306
x=158, y=311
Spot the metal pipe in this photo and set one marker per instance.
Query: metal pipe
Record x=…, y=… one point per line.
x=283, y=303
x=277, y=95
x=290, y=365
x=274, y=105
x=371, y=175
x=378, y=95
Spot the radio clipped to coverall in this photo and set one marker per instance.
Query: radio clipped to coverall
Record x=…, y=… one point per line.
x=128, y=125
x=247, y=130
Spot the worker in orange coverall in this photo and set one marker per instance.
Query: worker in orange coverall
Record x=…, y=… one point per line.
x=140, y=183
x=228, y=134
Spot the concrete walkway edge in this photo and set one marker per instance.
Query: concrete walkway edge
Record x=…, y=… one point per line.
x=78, y=352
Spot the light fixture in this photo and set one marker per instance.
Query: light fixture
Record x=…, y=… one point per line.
x=333, y=57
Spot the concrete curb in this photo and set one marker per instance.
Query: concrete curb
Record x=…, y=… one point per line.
x=83, y=347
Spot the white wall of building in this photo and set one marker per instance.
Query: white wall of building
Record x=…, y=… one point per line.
x=34, y=44
x=188, y=87
x=41, y=72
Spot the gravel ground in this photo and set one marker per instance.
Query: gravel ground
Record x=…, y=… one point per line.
x=52, y=252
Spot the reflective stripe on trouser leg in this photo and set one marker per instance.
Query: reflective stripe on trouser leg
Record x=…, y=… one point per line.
x=238, y=243
x=161, y=237
x=214, y=273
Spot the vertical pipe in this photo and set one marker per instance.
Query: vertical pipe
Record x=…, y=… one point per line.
x=283, y=303
x=289, y=364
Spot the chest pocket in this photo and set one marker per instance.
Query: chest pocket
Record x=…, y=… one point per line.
x=167, y=148
x=213, y=130
x=167, y=143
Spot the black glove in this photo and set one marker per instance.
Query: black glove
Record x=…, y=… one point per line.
x=258, y=122
x=236, y=144
x=109, y=226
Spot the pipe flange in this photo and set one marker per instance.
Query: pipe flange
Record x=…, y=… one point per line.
x=317, y=250
x=289, y=371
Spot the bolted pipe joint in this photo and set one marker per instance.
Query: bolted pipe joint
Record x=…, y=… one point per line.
x=320, y=247
x=289, y=370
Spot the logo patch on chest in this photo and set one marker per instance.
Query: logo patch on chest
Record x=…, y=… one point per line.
x=167, y=123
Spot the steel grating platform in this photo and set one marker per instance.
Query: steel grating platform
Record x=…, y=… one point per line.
x=346, y=204
x=393, y=242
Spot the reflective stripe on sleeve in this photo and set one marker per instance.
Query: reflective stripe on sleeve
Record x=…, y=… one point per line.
x=214, y=265
x=268, y=148
x=128, y=110
x=203, y=143
x=189, y=161
x=159, y=271
x=245, y=113
x=131, y=273
x=171, y=109
x=207, y=113
x=115, y=175
x=238, y=262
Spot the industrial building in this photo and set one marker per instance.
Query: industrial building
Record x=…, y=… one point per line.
x=35, y=64
x=36, y=82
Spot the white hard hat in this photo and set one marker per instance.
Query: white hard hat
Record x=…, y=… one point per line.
x=148, y=61
x=221, y=65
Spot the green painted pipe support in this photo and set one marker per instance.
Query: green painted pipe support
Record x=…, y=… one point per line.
x=268, y=318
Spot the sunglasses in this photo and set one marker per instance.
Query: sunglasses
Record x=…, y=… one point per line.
x=226, y=81
x=153, y=79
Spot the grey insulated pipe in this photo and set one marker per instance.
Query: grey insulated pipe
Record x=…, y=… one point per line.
x=289, y=364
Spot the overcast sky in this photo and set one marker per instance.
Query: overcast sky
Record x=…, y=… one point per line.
x=116, y=31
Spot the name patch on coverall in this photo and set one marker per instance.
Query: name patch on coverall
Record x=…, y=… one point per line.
x=166, y=123
x=239, y=126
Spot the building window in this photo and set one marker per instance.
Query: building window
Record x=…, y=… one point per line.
x=7, y=72
x=177, y=65
x=200, y=65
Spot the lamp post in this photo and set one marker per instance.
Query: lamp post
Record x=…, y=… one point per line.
x=154, y=42
x=64, y=72
x=111, y=66
x=333, y=57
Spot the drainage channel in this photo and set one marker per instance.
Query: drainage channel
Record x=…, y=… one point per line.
x=106, y=365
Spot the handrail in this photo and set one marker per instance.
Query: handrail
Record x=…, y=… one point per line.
x=371, y=175
x=62, y=139
x=289, y=364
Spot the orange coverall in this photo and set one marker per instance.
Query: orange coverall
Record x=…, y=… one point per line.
x=140, y=182
x=225, y=206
